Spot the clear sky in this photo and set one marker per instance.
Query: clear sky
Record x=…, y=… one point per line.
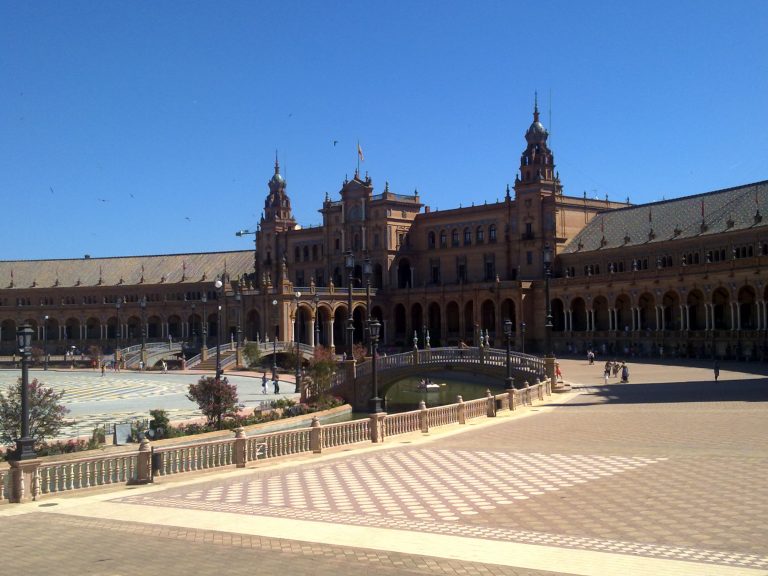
x=149, y=127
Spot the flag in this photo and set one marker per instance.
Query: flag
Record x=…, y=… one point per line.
x=360, y=153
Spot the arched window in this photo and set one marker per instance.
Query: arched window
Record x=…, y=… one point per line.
x=455, y=238
x=443, y=239
x=431, y=240
x=480, y=235
x=297, y=254
x=467, y=237
x=306, y=252
x=492, y=233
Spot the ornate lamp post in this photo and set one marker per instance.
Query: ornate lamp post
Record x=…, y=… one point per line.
x=522, y=337
x=25, y=446
x=118, y=304
x=508, y=334
x=274, y=342
x=45, y=342
x=367, y=272
x=204, y=328
x=296, y=340
x=194, y=327
x=239, y=305
x=548, y=324
x=143, y=306
x=218, y=284
x=373, y=330
x=349, y=263
x=316, y=300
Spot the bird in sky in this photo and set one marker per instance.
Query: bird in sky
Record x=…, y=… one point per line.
x=51, y=189
x=335, y=142
x=188, y=218
x=131, y=195
x=101, y=199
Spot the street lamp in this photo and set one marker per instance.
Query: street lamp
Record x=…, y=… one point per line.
x=204, y=329
x=143, y=306
x=373, y=330
x=218, y=284
x=367, y=271
x=548, y=324
x=522, y=337
x=349, y=262
x=508, y=334
x=239, y=300
x=45, y=342
x=25, y=446
x=118, y=331
x=316, y=300
x=296, y=339
x=274, y=341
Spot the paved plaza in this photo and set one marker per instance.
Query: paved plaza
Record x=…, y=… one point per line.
x=665, y=475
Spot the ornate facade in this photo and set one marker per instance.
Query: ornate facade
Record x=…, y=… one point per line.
x=678, y=277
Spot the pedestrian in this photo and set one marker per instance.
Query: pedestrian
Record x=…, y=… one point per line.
x=165, y=367
x=264, y=383
x=624, y=373
x=558, y=373
x=276, y=384
x=717, y=369
x=103, y=367
x=615, y=369
x=607, y=371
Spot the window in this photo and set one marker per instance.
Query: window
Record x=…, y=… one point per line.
x=480, y=235
x=297, y=254
x=492, y=233
x=434, y=271
x=529, y=258
x=467, y=237
x=431, y=240
x=306, y=253
x=376, y=240
x=400, y=240
x=528, y=230
x=337, y=245
x=443, y=239
x=300, y=278
x=461, y=269
x=455, y=239
x=314, y=252
x=489, y=268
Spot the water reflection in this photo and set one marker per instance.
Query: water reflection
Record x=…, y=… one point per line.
x=405, y=395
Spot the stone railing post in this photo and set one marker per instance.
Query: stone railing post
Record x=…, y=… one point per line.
x=462, y=410
x=491, y=407
x=377, y=423
x=239, y=358
x=203, y=354
x=415, y=356
x=481, y=353
x=423, y=417
x=144, y=463
x=511, y=399
x=549, y=369
x=240, y=454
x=316, y=436
x=527, y=398
x=23, y=484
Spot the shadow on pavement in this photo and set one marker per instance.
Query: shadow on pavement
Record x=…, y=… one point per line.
x=672, y=392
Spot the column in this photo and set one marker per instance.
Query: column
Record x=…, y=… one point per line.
x=734, y=316
x=659, y=316
x=634, y=319
x=570, y=320
x=311, y=329
x=329, y=326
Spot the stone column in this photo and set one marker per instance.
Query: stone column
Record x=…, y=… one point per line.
x=311, y=328
x=377, y=427
x=23, y=485
x=144, y=463
x=329, y=327
x=240, y=447
x=316, y=436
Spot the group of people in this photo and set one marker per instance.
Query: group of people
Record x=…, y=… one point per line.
x=614, y=368
x=265, y=381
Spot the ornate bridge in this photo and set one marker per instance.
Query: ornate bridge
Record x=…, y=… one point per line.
x=355, y=382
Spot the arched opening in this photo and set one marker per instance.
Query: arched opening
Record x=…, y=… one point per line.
x=600, y=307
x=434, y=324
x=339, y=327
x=399, y=316
x=174, y=327
x=508, y=312
x=721, y=302
x=647, y=310
x=747, y=308
x=155, y=328
x=378, y=276
x=470, y=330
x=452, y=319
x=579, y=314
x=558, y=315
x=71, y=329
x=697, y=316
x=488, y=318
x=417, y=322
x=195, y=329
x=623, y=313
x=251, y=330
x=92, y=326
x=358, y=316
x=670, y=304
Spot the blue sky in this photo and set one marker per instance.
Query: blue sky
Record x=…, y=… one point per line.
x=138, y=127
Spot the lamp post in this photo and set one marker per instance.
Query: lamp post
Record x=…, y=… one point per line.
x=522, y=337
x=349, y=262
x=367, y=271
x=508, y=334
x=548, y=324
x=194, y=327
x=118, y=304
x=239, y=300
x=204, y=328
x=373, y=330
x=274, y=341
x=218, y=284
x=45, y=342
x=143, y=306
x=25, y=446
x=296, y=340
x=316, y=300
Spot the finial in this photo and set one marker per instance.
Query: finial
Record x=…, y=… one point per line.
x=507, y=190
x=535, y=106
x=386, y=186
x=277, y=164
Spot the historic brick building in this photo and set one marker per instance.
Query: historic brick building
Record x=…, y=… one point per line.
x=682, y=276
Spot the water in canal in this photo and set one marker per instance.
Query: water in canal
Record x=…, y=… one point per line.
x=405, y=395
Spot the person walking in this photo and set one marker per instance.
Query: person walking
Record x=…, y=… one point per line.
x=624, y=373
x=606, y=372
x=264, y=383
x=276, y=384
x=717, y=369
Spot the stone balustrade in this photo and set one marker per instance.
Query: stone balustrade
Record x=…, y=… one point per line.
x=34, y=479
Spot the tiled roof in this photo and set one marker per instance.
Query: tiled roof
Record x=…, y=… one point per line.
x=723, y=210
x=124, y=270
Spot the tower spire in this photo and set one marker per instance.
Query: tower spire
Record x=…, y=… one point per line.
x=277, y=164
x=535, y=106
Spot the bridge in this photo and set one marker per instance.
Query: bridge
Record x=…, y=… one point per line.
x=355, y=382
x=227, y=352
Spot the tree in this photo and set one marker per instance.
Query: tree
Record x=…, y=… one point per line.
x=216, y=398
x=252, y=354
x=322, y=367
x=46, y=413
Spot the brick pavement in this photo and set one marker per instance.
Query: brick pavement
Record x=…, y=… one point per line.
x=620, y=474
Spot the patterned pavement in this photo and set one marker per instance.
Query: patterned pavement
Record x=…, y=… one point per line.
x=665, y=478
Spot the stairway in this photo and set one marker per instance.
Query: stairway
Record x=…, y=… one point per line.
x=210, y=364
